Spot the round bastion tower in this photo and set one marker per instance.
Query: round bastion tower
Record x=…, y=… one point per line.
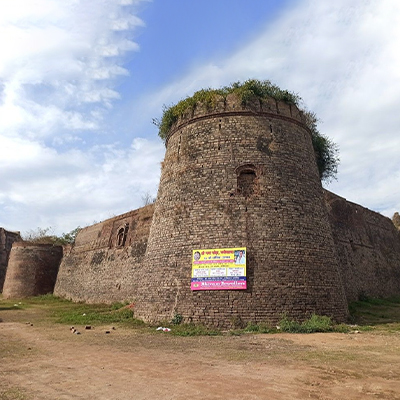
x=239, y=176
x=32, y=269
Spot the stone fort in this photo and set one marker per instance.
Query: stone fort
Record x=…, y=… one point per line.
x=233, y=176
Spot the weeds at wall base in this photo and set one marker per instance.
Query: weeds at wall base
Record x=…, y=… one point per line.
x=367, y=315
x=316, y=323
x=177, y=319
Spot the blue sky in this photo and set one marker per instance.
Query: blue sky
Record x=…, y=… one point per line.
x=81, y=80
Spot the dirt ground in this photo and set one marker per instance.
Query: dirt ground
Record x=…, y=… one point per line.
x=47, y=361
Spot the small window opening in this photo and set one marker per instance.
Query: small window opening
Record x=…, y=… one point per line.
x=246, y=180
x=121, y=235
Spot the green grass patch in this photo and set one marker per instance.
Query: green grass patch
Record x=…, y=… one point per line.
x=12, y=394
x=84, y=315
x=67, y=312
x=10, y=307
x=43, y=300
x=89, y=314
x=193, y=330
x=258, y=328
x=316, y=323
x=370, y=313
x=366, y=315
x=119, y=305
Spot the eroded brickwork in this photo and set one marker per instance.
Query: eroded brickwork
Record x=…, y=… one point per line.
x=242, y=177
x=238, y=177
x=106, y=261
x=32, y=270
x=368, y=247
x=7, y=238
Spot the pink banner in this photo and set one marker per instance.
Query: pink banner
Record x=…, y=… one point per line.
x=218, y=285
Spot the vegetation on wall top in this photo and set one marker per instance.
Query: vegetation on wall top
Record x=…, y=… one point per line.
x=245, y=91
x=45, y=236
x=326, y=152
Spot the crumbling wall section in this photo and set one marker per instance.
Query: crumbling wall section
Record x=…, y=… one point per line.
x=368, y=248
x=106, y=260
x=7, y=238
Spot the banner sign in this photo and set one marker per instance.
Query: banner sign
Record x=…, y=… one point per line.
x=219, y=269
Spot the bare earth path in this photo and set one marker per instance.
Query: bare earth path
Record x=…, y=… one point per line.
x=48, y=362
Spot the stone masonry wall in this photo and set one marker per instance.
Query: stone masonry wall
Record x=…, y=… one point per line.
x=7, y=238
x=366, y=244
x=106, y=260
x=237, y=176
x=32, y=270
x=368, y=247
x=242, y=177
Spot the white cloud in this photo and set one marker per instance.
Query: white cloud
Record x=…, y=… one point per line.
x=57, y=82
x=342, y=57
x=42, y=187
x=58, y=55
x=59, y=67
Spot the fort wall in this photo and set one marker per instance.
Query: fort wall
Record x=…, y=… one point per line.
x=233, y=176
x=32, y=270
x=7, y=238
x=97, y=270
x=368, y=248
x=106, y=260
x=242, y=177
x=366, y=243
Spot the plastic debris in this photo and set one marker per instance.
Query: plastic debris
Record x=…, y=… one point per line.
x=160, y=328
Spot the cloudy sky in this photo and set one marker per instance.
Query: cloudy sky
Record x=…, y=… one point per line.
x=81, y=80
